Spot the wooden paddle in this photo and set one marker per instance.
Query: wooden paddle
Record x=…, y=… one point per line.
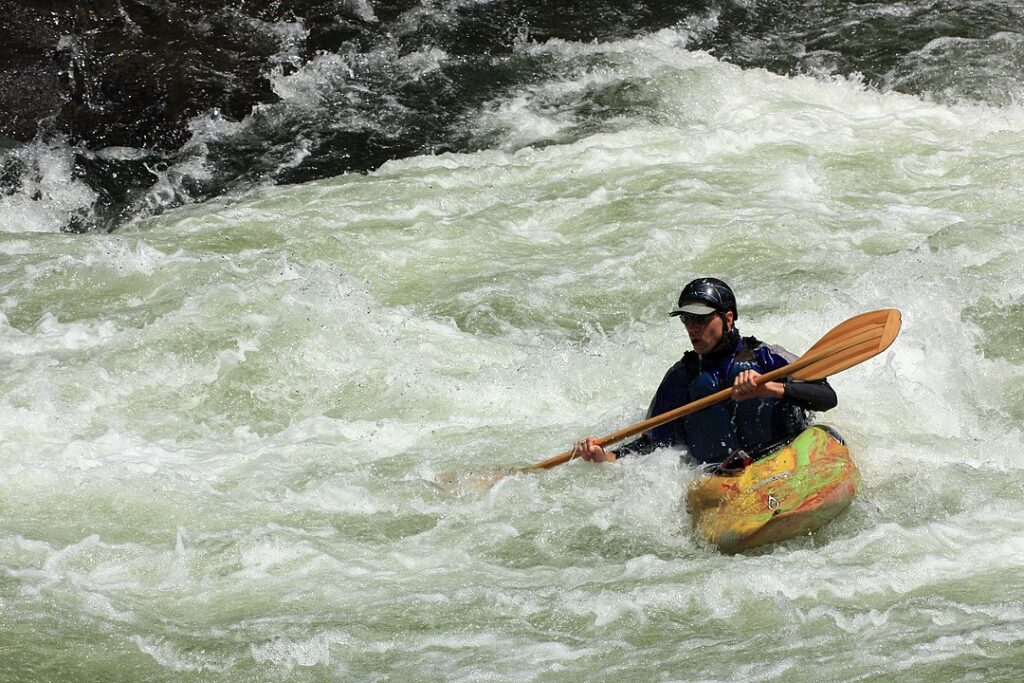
x=847, y=344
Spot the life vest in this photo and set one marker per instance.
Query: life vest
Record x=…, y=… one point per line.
x=714, y=433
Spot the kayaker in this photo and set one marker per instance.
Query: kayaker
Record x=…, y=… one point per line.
x=732, y=433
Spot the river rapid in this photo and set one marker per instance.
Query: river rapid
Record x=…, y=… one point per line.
x=228, y=429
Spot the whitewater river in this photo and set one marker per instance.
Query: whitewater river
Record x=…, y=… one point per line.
x=223, y=429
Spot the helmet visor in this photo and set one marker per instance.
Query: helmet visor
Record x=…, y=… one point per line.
x=694, y=308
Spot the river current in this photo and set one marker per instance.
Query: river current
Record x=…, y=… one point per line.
x=226, y=428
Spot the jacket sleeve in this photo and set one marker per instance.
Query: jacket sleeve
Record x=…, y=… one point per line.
x=817, y=396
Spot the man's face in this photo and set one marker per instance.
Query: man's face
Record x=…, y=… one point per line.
x=705, y=332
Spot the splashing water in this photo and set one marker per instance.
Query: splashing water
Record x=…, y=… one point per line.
x=223, y=427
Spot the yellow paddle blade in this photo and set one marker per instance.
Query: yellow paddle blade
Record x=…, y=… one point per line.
x=848, y=344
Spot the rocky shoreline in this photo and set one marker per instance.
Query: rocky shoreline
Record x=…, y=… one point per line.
x=149, y=105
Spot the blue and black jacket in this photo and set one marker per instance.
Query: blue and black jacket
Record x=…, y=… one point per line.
x=754, y=425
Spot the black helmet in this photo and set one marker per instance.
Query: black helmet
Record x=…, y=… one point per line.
x=706, y=295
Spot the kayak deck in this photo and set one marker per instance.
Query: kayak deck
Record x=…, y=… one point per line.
x=798, y=488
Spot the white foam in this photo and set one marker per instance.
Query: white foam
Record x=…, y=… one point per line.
x=49, y=195
x=261, y=396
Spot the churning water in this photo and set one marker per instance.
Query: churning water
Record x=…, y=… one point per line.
x=223, y=427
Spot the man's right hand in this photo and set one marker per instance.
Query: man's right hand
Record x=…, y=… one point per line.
x=589, y=449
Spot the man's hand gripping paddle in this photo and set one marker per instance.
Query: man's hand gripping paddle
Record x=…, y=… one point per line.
x=847, y=344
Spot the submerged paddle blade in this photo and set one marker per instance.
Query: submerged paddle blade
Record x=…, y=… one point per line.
x=473, y=480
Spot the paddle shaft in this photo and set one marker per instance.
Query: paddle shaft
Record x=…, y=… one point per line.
x=832, y=350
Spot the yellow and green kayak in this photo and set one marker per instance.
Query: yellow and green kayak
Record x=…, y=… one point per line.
x=798, y=488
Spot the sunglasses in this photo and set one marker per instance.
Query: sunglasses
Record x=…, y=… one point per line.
x=699, y=320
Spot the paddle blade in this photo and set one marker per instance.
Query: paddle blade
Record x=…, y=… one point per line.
x=469, y=481
x=848, y=344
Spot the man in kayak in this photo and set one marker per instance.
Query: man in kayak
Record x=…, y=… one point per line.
x=756, y=418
